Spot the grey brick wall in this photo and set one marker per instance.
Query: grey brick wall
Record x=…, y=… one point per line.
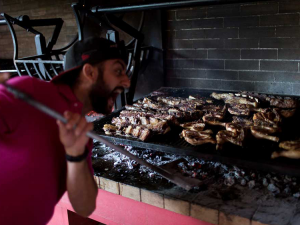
x=252, y=47
x=42, y=9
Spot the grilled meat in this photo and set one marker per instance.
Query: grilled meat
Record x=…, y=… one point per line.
x=244, y=110
x=198, y=137
x=222, y=96
x=252, y=95
x=290, y=145
x=198, y=100
x=292, y=150
x=213, y=121
x=231, y=99
x=171, y=119
x=154, y=105
x=271, y=118
x=139, y=132
x=234, y=134
x=242, y=121
x=136, y=131
x=172, y=101
x=287, y=113
x=234, y=128
x=195, y=125
x=285, y=103
x=216, y=112
x=211, y=108
x=241, y=100
x=239, y=109
x=110, y=129
x=185, y=115
x=294, y=154
x=154, y=124
x=224, y=136
x=262, y=132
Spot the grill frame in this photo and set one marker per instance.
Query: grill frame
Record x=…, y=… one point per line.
x=254, y=155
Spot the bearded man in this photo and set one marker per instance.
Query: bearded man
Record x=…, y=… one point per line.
x=41, y=158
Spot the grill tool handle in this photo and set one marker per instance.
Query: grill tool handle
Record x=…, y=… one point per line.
x=176, y=179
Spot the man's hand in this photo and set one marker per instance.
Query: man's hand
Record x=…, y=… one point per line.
x=4, y=77
x=81, y=186
x=73, y=134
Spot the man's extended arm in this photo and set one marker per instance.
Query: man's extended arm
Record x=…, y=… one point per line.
x=81, y=187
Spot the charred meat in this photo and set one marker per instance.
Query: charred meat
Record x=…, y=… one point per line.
x=213, y=121
x=263, y=132
x=194, y=126
x=294, y=154
x=269, y=119
x=290, y=145
x=198, y=137
x=285, y=103
x=292, y=150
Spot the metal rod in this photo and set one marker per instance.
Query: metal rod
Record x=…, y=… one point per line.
x=176, y=179
x=173, y=4
x=8, y=71
x=2, y=22
x=36, y=61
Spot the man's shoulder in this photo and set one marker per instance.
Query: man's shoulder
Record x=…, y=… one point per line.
x=30, y=84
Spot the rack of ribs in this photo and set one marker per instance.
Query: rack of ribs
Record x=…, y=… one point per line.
x=137, y=131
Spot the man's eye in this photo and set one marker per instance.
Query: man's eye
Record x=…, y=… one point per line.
x=119, y=72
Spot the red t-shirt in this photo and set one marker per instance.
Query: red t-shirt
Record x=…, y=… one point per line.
x=32, y=158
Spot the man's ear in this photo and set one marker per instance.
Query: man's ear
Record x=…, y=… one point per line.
x=90, y=73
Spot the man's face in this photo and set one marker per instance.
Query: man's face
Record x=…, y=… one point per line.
x=112, y=80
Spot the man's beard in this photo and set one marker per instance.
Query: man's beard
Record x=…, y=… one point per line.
x=99, y=96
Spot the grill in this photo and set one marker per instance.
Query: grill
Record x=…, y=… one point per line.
x=254, y=155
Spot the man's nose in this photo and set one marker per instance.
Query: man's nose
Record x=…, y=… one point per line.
x=126, y=82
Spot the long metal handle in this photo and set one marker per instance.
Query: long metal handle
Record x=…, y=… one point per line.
x=173, y=178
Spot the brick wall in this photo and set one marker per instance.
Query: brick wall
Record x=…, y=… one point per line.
x=253, y=47
x=42, y=9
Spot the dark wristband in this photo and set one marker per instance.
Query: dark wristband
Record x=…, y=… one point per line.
x=77, y=158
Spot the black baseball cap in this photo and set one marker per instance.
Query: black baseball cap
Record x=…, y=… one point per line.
x=90, y=50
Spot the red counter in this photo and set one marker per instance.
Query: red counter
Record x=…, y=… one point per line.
x=114, y=209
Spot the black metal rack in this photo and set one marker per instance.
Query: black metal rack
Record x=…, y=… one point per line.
x=254, y=155
x=48, y=62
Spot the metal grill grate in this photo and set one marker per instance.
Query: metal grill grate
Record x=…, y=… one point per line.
x=255, y=154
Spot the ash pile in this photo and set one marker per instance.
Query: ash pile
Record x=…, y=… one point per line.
x=207, y=171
